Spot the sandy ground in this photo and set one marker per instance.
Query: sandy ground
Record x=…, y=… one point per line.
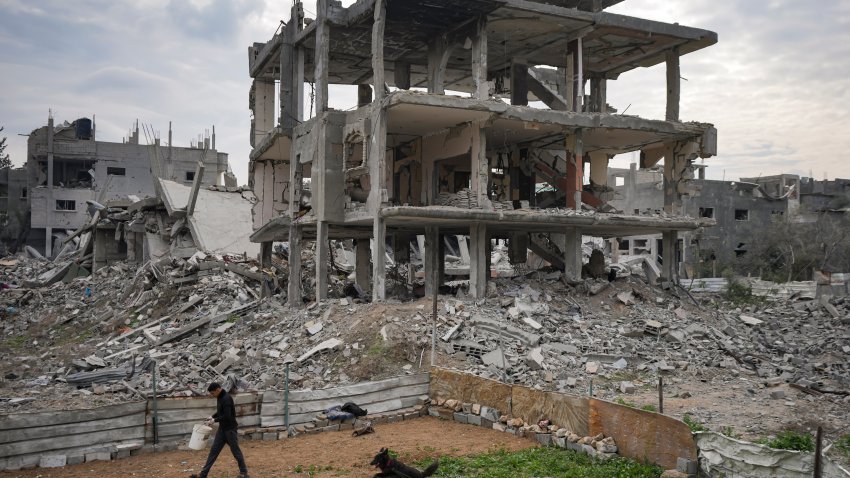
x=335, y=454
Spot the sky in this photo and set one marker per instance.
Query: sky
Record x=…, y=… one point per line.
x=775, y=85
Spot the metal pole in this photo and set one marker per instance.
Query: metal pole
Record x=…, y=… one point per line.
x=286, y=400
x=818, y=453
x=660, y=394
x=155, y=411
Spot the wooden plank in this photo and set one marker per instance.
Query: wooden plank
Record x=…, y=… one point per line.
x=40, y=419
x=42, y=445
x=58, y=431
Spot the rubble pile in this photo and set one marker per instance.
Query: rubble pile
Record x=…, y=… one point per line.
x=95, y=339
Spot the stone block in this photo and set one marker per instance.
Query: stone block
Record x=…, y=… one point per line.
x=411, y=415
x=269, y=436
x=627, y=387
x=499, y=426
x=257, y=436
x=574, y=446
x=98, y=456
x=473, y=420
x=77, y=459
x=466, y=407
x=394, y=418
x=461, y=417
x=485, y=423
x=490, y=414
x=686, y=466
x=331, y=428
x=559, y=442
x=544, y=439
x=777, y=395
x=52, y=461
x=588, y=449
x=120, y=454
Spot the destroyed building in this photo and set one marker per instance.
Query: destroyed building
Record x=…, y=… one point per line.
x=13, y=207
x=741, y=209
x=67, y=166
x=443, y=140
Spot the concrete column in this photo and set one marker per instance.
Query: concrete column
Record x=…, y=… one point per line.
x=478, y=267
x=263, y=110
x=673, y=85
x=322, y=260
x=479, y=60
x=362, y=265
x=599, y=168
x=265, y=254
x=323, y=31
x=379, y=259
x=519, y=82
x=430, y=258
x=293, y=291
x=480, y=166
x=598, y=94
x=572, y=254
x=575, y=166
x=438, y=57
x=401, y=75
x=378, y=72
x=518, y=248
x=48, y=242
x=364, y=95
x=668, y=255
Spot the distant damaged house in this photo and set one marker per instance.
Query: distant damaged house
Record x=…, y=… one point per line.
x=67, y=166
x=443, y=140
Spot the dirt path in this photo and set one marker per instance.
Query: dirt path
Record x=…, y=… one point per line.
x=335, y=454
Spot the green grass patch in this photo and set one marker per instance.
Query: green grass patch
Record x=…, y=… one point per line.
x=16, y=342
x=789, y=440
x=694, y=425
x=843, y=444
x=535, y=462
x=647, y=407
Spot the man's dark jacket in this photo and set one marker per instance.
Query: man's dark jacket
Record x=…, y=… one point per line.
x=225, y=413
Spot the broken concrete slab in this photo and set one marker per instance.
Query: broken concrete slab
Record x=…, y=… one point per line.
x=329, y=344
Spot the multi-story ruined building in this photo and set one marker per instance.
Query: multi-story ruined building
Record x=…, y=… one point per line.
x=67, y=166
x=443, y=140
x=13, y=207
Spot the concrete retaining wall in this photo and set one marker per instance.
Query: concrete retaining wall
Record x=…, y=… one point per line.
x=177, y=416
x=377, y=397
x=25, y=437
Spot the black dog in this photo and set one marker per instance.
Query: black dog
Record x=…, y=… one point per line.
x=390, y=467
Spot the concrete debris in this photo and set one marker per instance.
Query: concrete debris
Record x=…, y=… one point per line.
x=750, y=320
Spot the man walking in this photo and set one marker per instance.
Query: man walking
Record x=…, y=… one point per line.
x=225, y=415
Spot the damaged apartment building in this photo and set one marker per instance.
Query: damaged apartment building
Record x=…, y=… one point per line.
x=486, y=119
x=742, y=210
x=68, y=169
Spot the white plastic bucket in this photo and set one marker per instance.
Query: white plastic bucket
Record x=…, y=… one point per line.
x=199, y=437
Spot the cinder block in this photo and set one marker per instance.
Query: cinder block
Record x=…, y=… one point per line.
x=77, y=459
x=461, y=417
x=560, y=442
x=474, y=420
x=574, y=446
x=269, y=436
x=684, y=465
x=117, y=455
x=485, y=423
x=544, y=439
x=98, y=456
x=52, y=461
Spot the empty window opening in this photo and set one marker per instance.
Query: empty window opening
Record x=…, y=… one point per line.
x=24, y=193
x=190, y=175
x=741, y=249
x=641, y=247
x=742, y=214
x=707, y=212
x=624, y=245
x=619, y=181
x=116, y=171
x=66, y=205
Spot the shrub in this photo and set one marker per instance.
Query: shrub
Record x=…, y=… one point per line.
x=789, y=440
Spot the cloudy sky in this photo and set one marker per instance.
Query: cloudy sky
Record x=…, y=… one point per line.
x=776, y=85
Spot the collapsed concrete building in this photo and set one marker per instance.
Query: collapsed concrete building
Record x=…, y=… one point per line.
x=412, y=160
x=66, y=167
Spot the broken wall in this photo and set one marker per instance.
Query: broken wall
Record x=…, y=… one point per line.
x=270, y=180
x=721, y=456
